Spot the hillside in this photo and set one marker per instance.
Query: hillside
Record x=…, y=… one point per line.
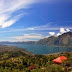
x=62, y=40
x=17, y=61
x=14, y=49
x=14, y=59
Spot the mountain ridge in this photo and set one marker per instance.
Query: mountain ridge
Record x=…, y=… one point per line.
x=62, y=40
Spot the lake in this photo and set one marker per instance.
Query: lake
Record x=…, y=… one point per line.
x=41, y=49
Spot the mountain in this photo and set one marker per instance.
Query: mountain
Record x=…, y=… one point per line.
x=62, y=40
x=47, y=41
x=23, y=42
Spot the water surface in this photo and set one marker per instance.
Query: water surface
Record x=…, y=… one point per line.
x=41, y=49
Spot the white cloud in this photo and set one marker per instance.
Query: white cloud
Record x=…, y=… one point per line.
x=62, y=30
x=58, y=34
x=8, y=23
x=67, y=30
x=50, y=26
x=9, y=7
x=30, y=28
x=52, y=33
x=44, y=27
x=28, y=37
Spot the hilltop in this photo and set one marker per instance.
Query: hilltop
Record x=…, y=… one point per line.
x=61, y=40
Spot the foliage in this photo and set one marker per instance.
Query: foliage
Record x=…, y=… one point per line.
x=16, y=60
x=19, y=62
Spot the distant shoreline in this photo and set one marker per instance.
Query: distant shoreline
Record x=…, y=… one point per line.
x=31, y=52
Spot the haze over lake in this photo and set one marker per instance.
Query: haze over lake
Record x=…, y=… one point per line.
x=41, y=49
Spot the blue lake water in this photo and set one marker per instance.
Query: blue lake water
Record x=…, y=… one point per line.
x=41, y=49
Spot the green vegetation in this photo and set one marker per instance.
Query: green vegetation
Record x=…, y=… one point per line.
x=13, y=59
x=5, y=48
x=19, y=60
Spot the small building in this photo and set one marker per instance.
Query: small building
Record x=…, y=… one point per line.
x=59, y=60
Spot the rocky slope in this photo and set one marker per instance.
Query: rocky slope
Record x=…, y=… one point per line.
x=62, y=40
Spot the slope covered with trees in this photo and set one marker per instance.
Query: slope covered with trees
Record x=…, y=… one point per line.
x=18, y=61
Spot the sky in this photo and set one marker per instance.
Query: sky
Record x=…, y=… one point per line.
x=32, y=20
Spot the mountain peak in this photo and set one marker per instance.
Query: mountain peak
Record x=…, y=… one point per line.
x=68, y=32
x=63, y=40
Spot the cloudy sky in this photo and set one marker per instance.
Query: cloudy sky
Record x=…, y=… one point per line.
x=28, y=20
